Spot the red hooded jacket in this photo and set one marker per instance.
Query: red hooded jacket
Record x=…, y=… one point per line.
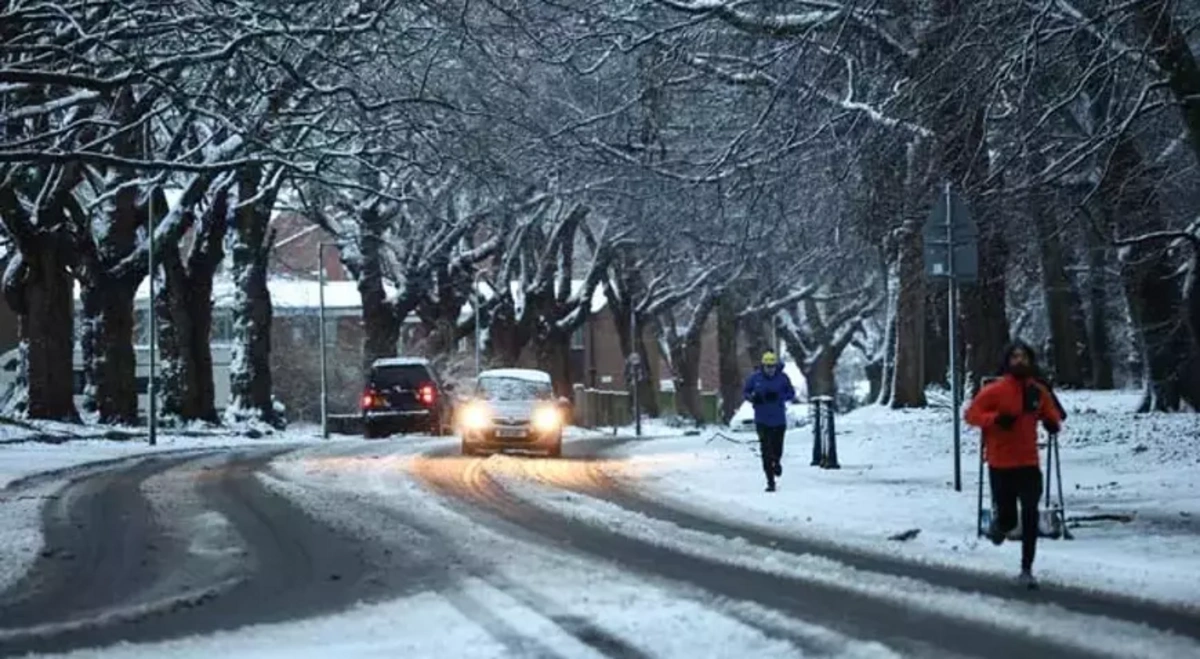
x=1016, y=446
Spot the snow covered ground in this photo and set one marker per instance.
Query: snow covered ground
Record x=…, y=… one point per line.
x=897, y=475
x=505, y=597
x=20, y=507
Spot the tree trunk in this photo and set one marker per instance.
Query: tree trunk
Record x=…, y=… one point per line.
x=1168, y=44
x=1066, y=357
x=250, y=373
x=685, y=366
x=40, y=289
x=1099, y=343
x=727, y=357
x=106, y=341
x=908, y=381
x=874, y=373
x=887, y=372
x=1152, y=291
x=184, y=341
x=819, y=373
x=937, y=347
x=381, y=320
x=554, y=357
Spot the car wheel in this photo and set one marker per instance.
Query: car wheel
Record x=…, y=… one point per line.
x=373, y=431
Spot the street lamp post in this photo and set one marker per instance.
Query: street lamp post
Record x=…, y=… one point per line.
x=151, y=389
x=478, y=328
x=321, y=316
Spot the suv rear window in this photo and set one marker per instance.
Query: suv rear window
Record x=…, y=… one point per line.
x=406, y=377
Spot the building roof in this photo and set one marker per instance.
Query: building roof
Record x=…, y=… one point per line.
x=300, y=295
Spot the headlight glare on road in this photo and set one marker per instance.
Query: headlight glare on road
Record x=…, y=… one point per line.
x=476, y=417
x=546, y=419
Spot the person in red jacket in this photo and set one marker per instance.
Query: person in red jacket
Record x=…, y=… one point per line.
x=1008, y=411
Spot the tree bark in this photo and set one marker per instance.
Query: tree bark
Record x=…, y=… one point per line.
x=185, y=312
x=819, y=374
x=1152, y=291
x=908, y=382
x=727, y=357
x=1169, y=46
x=39, y=289
x=250, y=373
x=685, y=366
x=1061, y=301
x=1099, y=343
x=554, y=357
x=106, y=341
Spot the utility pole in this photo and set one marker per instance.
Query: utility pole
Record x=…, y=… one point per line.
x=324, y=362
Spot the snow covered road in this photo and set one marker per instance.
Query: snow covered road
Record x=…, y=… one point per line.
x=403, y=548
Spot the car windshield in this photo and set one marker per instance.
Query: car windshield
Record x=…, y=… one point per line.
x=405, y=377
x=505, y=388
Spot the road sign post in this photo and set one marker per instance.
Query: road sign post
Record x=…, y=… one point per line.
x=951, y=251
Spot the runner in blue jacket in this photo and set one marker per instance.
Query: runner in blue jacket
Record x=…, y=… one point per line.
x=769, y=390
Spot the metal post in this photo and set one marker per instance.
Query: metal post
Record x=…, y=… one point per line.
x=321, y=316
x=478, y=329
x=636, y=369
x=953, y=304
x=151, y=389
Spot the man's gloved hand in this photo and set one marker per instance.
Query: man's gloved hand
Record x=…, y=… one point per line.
x=771, y=396
x=1005, y=421
x=1050, y=426
x=756, y=399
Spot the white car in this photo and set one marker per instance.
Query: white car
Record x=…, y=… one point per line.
x=512, y=409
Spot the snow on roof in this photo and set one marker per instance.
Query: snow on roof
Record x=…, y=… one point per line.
x=305, y=294
x=599, y=301
x=399, y=361
x=526, y=374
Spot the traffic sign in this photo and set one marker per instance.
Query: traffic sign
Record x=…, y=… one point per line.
x=950, y=222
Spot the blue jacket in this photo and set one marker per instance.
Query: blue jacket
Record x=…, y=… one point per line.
x=773, y=394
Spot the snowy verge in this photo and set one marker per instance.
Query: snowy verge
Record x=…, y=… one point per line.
x=897, y=476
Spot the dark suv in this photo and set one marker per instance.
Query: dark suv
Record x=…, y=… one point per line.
x=404, y=394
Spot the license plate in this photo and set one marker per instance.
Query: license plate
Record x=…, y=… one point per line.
x=510, y=432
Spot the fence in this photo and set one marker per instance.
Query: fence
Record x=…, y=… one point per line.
x=597, y=408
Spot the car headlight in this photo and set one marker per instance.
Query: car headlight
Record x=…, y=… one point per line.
x=546, y=419
x=476, y=417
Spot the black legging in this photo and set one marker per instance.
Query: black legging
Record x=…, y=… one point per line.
x=770, y=446
x=1023, y=484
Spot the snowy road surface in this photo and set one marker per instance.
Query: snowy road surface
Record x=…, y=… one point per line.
x=403, y=548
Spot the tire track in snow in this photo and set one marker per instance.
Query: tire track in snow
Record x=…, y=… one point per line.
x=377, y=512
x=855, y=614
x=601, y=484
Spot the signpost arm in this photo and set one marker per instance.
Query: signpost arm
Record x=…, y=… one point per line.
x=953, y=336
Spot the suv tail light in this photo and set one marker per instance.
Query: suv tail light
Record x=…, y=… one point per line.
x=370, y=400
x=427, y=394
